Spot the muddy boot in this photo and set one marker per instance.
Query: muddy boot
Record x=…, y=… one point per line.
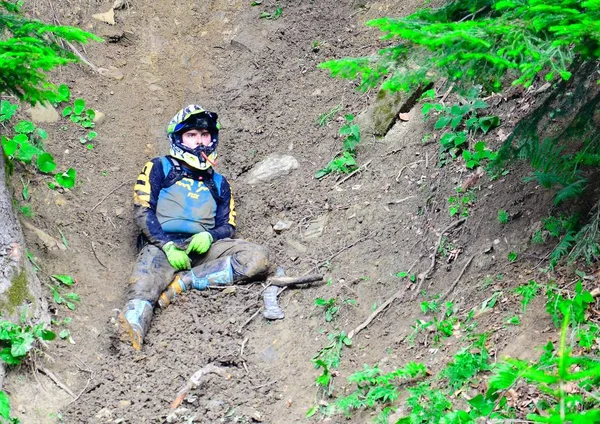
x=134, y=322
x=215, y=273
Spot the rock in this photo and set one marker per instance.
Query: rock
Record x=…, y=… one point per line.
x=119, y=211
x=111, y=72
x=382, y=114
x=118, y=4
x=124, y=403
x=107, y=17
x=214, y=404
x=103, y=413
x=43, y=113
x=274, y=166
x=316, y=227
x=48, y=241
x=99, y=118
x=282, y=226
x=404, y=116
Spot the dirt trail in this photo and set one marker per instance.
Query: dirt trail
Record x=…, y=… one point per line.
x=261, y=77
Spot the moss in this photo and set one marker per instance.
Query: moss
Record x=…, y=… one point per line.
x=17, y=293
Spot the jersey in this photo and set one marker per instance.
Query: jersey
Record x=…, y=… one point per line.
x=173, y=207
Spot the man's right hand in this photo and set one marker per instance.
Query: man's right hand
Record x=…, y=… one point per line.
x=177, y=257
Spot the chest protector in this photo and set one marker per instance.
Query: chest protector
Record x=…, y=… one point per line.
x=187, y=203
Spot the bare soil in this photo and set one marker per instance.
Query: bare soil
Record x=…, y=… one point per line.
x=260, y=76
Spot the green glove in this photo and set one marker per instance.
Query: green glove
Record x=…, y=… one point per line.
x=176, y=257
x=200, y=243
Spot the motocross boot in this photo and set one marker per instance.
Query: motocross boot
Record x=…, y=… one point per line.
x=134, y=322
x=214, y=273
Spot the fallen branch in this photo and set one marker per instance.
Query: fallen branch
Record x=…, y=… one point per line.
x=424, y=275
x=56, y=381
x=82, y=57
x=196, y=379
x=453, y=286
x=292, y=281
x=249, y=319
x=96, y=256
x=398, y=295
x=347, y=177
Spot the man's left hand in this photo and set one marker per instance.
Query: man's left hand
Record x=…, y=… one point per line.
x=200, y=243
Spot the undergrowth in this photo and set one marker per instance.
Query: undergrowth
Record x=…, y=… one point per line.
x=560, y=387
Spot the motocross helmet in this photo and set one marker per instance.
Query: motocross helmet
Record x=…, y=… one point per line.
x=189, y=118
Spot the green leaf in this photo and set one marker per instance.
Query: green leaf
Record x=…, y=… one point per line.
x=67, y=178
x=442, y=122
x=42, y=133
x=45, y=163
x=71, y=305
x=64, y=334
x=92, y=135
x=67, y=111
x=9, y=146
x=67, y=280
x=4, y=406
x=73, y=296
x=312, y=411
x=21, y=346
x=7, y=110
x=512, y=256
x=78, y=106
x=488, y=122
x=24, y=127
x=64, y=93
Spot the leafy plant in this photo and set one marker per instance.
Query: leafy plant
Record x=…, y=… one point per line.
x=512, y=256
x=345, y=162
x=5, y=409
x=528, y=291
x=503, y=216
x=26, y=147
x=328, y=116
x=272, y=16
x=328, y=359
x=478, y=155
x=330, y=306
x=16, y=341
x=68, y=299
x=373, y=387
x=79, y=114
x=459, y=204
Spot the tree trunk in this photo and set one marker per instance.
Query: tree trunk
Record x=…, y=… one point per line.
x=20, y=288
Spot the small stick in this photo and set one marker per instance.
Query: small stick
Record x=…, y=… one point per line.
x=243, y=346
x=80, y=56
x=407, y=166
x=292, y=281
x=447, y=93
x=195, y=380
x=395, y=202
x=434, y=254
x=347, y=177
x=351, y=245
x=249, y=319
x=263, y=385
x=96, y=256
x=54, y=378
x=106, y=197
x=453, y=286
x=398, y=295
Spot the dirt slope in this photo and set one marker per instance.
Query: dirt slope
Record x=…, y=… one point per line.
x=260, y=76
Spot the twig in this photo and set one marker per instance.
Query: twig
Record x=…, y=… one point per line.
x=96, y=256
x=106, y=197
x=426, y=160
x=434, y=254
x=82, y=390
x=249, y=319
x=82, y=57
x=263, y=385
x=243, y=346
x=347, y=177
x=351, y=245
x=395, y=202
x=398, y=295
x=407, y=166
x=196, y=379
x=447, y=93
x=54, y=378
x=472, y=15
x=453, y=286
